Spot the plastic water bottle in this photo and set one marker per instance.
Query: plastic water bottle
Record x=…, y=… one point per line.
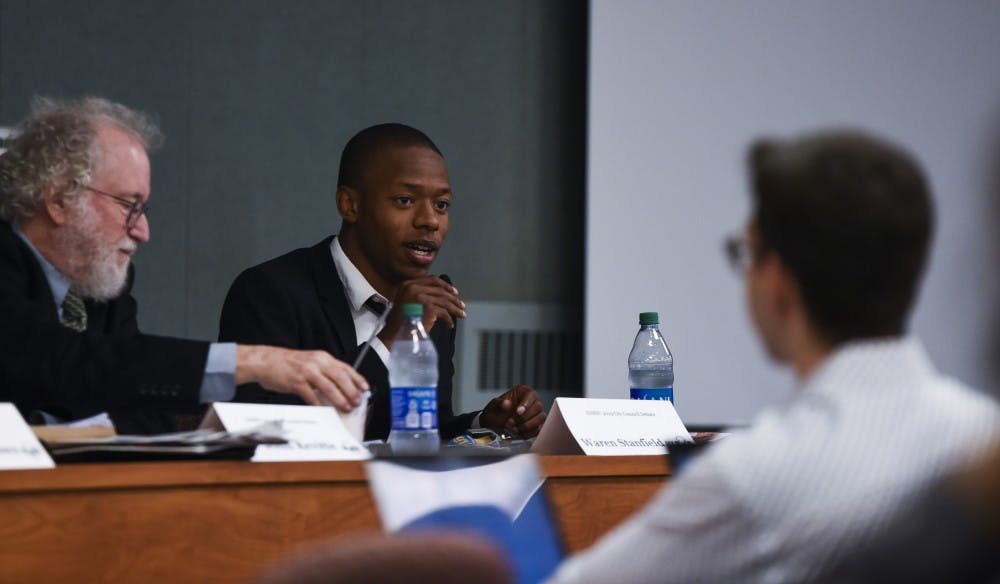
x=650, y=364
x=413, y=378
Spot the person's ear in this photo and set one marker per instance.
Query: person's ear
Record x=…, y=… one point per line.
x=348, y=201
x=56, y=204
x=769, y=283
x=786, y=297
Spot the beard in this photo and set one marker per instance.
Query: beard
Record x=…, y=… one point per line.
x=93, y=264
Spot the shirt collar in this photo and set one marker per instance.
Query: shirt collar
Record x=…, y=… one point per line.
x=889, y=362
x=58, y=282
x=356, y=286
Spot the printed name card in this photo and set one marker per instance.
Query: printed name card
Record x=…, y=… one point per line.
x=19, y=448
x=313, y=432
x=610, y=427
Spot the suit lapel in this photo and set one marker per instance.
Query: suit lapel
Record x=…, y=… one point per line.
x=330, y=291
x=37, y=282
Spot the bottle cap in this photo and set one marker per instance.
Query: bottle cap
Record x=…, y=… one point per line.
x=649, y=318
x=413, y=309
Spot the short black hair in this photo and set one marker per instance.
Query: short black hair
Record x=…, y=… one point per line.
x=851, y=217
x=362, y=148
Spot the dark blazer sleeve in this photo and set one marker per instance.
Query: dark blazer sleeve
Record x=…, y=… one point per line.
x=44, y=365
x=258, y=312
x=276, y=304
x=449, y=424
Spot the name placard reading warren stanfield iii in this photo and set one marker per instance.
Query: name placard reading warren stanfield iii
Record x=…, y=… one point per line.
x=610, y=427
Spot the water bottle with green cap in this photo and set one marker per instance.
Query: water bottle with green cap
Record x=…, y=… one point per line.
x=413, y=379
x=650, y=364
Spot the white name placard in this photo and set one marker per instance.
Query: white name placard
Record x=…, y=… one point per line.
x=313, y=432
x=609, y=427
x=19, y=448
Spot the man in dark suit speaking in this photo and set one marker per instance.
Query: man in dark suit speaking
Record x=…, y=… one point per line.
x=74, y=190
x=393, y=195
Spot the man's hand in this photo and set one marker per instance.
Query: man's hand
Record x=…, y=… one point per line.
x=439, y=298
x=518, y=410
x=315, y=376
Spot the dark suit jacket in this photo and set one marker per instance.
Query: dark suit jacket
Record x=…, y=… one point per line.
x=111, y=366
x=298, y=301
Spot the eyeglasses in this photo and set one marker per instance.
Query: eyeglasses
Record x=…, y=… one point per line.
x=135, y=208
x=737, y=250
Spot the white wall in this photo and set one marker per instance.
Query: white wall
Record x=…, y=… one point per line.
x=677, y=91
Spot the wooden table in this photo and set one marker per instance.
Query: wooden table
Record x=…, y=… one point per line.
x=224, y=521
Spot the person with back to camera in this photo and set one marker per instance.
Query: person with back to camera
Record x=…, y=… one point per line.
x=832, y=258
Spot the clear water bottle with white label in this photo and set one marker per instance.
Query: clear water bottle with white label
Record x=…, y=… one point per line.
x=650, y=364
x=413, y=379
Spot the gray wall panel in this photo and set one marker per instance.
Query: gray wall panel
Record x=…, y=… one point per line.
x=270, y=97
x=258, y=97
x=134, y=53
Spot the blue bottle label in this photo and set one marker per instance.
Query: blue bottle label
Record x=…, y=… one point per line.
x=414, y=408
x=659, y=393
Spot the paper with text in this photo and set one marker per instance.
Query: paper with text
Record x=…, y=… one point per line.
x=313, y=432
x=19, y=448
x=610, y=427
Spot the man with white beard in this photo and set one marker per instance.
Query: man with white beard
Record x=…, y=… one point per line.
x=74, y=191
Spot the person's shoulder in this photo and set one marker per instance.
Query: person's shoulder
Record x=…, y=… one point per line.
x=772, y=430
x=769, y=463
x=295, y=259
x=9, y=241
x=15, y=255
x=953, y=394
x=288, y=267
x=956, y=416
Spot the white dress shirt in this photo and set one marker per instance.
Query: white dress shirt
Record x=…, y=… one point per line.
x=809, y=483
x=358, y=290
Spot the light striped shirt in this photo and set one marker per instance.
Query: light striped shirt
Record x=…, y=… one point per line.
x=809, y=483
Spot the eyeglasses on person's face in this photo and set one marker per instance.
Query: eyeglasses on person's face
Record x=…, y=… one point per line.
x=136, y=208
x=738, y=252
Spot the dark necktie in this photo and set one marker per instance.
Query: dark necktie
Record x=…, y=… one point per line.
x=74, y=311
x=375, y=305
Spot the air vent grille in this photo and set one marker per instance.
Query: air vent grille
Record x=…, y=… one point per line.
x=545, y=360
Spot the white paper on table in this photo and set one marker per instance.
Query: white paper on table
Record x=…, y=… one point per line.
x=19, y=448
x=313, y=432
x=610, y=427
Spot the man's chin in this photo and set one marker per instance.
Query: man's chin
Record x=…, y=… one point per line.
x=103, y=285
x=411, y=272
x=775, y=354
